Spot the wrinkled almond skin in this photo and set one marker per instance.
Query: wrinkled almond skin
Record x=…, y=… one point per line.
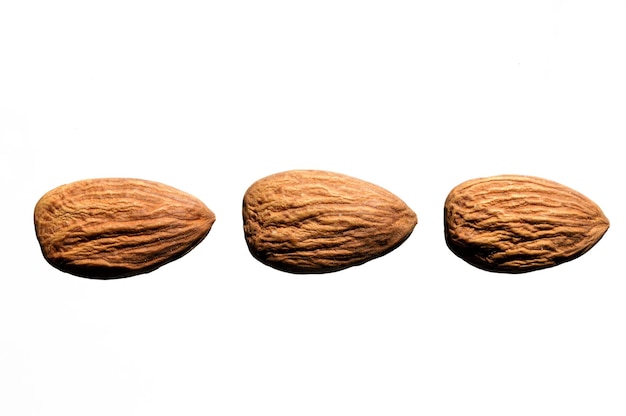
x=517, y=224
x=311, y=221
x=114, y=227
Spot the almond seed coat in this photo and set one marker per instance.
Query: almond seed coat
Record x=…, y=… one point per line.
x=116, y=227
x=515, y=224
x=311, y=221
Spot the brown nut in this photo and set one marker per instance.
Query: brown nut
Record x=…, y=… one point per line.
x=516, y=224
x=114, y=227
x=311, y=221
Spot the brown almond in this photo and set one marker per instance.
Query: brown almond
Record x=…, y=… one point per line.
x=516, y=224
x=311, y=221
x=113, y=227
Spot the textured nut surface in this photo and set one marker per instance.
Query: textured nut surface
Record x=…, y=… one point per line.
x=310, y=221
x=115, y=227
x=516, y=224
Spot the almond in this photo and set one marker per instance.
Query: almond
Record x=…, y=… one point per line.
x=516, y=224
x=114, y=227
x=311, y=221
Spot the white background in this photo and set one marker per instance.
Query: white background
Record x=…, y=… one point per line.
x=414, y=96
